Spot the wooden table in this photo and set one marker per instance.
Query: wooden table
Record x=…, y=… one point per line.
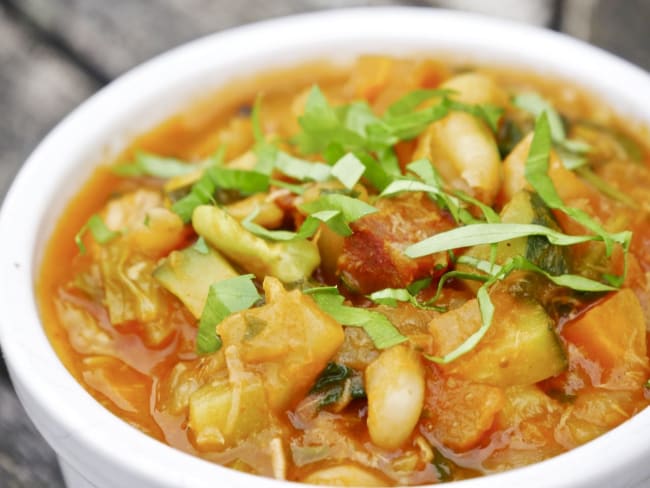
x=56, y=53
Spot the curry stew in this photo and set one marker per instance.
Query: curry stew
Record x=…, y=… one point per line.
x=400, y=273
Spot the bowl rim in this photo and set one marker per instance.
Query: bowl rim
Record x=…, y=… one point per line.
x=109, y=442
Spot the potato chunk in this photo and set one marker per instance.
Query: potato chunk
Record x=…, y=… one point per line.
x=287, y=342
x=461, y=412
x=212, y=416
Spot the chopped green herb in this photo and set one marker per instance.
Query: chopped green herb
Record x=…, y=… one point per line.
x=224, y=298
x=490, y=114
x=348, y=170
x=487, y=314
x=444, y=467
x=536, y=105
x=605, y=188
x=536, y=172
x=297, y=189
x=301, y=169
x=380, y=330
x=218, y=177
x=350, y=209
x=390, y=297
x=331, y=383
x=411, y=101
x=574, y=282
x=266, y=152
x=480, y=233
x=97, y=228
x=201, y=246
x=146, y=164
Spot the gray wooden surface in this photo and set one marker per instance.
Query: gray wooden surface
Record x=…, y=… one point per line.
x=56, y=53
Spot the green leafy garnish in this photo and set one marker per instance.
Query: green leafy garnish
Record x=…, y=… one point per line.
x=380, y=330
x=348, y=170
x=572, y=281
x=571, y=152
x=201, y=246
x=146, y=164
x=335, y=210
x=483, y=233
x=331, y=384
x=301, y=169
x=97, y=228
x=390, y=297
x=536, y=172
x=349, y=209
x=605, y=188
x=224, y=298
x=490, y=114
x=218, y=177
x=444, y=467
x=486, y=308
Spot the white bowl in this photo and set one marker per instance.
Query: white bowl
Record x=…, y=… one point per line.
x=97, y=448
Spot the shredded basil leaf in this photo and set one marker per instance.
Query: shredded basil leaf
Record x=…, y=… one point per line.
x=487, y=314
x=474, y=234
x=301, y=169
x=349, y=209
x=390, y=297
x=348, y=170
x=605, y=188
x=536, y=105
x=217, y=176
x=574, y=282
x=224, y=298
x=146, y=164
x=201, y=246
x=412, y=100
x=536, y=172
x=380, y=330
x=97, y=228
x=490, y=114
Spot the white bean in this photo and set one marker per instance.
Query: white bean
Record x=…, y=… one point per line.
x=395, y=388
x=465, y=153
x=343, y=475
x=476, y=88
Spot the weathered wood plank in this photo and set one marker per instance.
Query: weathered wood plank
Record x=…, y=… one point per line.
x=119, y=34
x=38, y=89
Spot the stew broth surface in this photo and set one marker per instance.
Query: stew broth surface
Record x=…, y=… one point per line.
x=492, y=409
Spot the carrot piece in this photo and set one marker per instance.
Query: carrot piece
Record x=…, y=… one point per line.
x=461, y=411
x=613, y=334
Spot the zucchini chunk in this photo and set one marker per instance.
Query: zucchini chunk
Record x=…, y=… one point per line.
x=525, y=207
x=188, y=274
x=520, y=348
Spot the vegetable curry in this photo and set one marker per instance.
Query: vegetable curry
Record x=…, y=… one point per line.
x=403, y=272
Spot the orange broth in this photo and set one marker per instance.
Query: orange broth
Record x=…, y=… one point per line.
x=125, y=374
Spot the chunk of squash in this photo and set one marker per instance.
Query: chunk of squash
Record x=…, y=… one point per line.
x=288, y=342
x=521, y=347
x=214, y=423
x=613, y=334
x=460, y=412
